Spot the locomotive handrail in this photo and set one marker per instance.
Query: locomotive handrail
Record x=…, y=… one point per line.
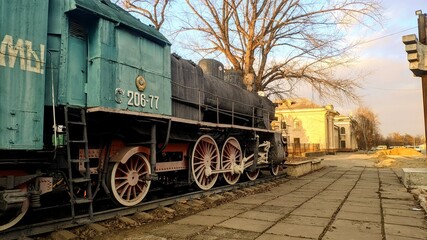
x=176, y=119
x=223, y=111
x=223, y=98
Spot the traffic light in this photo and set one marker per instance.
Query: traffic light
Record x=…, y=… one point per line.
x=417, y=49
x=417, y=53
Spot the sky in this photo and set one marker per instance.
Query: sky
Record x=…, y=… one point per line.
x=390, y=89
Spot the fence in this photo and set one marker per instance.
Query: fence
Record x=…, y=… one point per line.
x=298, y=149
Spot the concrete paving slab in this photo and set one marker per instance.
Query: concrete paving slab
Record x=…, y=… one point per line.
x=321, y=205
x=405, y=231
x=203, y=220
x=356, y=226
x=377, y=204
x=362, y=192
x=305, y=220
x=394, y=237
x=246, y=224
x=294, y=230
x=330, y=197
x=219, y=233
x=176, y=231
x=221, y=212
x=313, y=212
x=368, y=186
x=407, y=206
x=268, y=236
x=397, y=195
x=351, y=235
x=407, y=221
x=365, y=217
x=274, y=209
x=251, y=199
x=404, y=213
x=237, y=206
x=271, y=217
x=280, y=203
x=322, y=199
x=399, y=201
x=349, y=207
x=369, y=201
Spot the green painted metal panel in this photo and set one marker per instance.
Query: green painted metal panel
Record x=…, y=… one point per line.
x=23, y=34
x=77, y=68
x=138, y=78
x=116, y=58
x=114, y=13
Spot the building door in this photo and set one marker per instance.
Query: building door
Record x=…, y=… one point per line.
x=342, y=145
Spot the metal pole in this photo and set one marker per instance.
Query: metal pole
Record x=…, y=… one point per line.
x=422, y=28
x=423, y=40
x=424, y=87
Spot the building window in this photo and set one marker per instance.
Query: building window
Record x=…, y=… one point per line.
x=342, y=130
x=297, y=124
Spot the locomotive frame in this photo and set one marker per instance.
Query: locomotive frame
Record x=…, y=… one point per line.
x=108, y=118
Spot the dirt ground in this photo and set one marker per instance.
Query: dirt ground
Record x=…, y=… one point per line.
x=393, y=158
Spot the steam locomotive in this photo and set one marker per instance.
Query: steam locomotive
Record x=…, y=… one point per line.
x=93, y=103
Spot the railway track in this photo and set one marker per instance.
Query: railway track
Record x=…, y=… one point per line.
x=44, y=227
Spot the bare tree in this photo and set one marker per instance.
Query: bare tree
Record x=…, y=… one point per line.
x=367, y=124
x=153, y=10
x=278, y=43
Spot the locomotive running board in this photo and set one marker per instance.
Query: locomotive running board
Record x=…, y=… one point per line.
x=175, y=119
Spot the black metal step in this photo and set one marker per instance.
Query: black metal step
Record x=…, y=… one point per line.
x=80, y=180
x=82, y=200
x=78, y=141
x=79, y=160
x=76, y=123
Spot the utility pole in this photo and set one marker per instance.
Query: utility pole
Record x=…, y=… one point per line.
x=417, y=57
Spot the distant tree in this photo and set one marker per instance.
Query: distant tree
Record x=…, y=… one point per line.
x=397, y=139
x=153, y=10
x=367, y=125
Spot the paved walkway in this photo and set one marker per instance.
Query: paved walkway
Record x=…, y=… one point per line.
x=333, y=203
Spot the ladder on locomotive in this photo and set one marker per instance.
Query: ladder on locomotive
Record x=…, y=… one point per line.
x=75, y=122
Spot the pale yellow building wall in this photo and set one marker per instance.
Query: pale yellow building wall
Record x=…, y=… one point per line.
x=349, y=137
x=309, y=125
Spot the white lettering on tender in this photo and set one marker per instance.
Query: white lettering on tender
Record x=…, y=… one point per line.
x=28, y=58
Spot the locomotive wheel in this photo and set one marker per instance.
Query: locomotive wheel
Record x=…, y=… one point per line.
x=204, y=159
x=274, y=170
x=9, y=219
x=252, y=175
x=231, y=157
x=128, y=181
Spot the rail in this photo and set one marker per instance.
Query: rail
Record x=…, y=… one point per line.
x=32, y=229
